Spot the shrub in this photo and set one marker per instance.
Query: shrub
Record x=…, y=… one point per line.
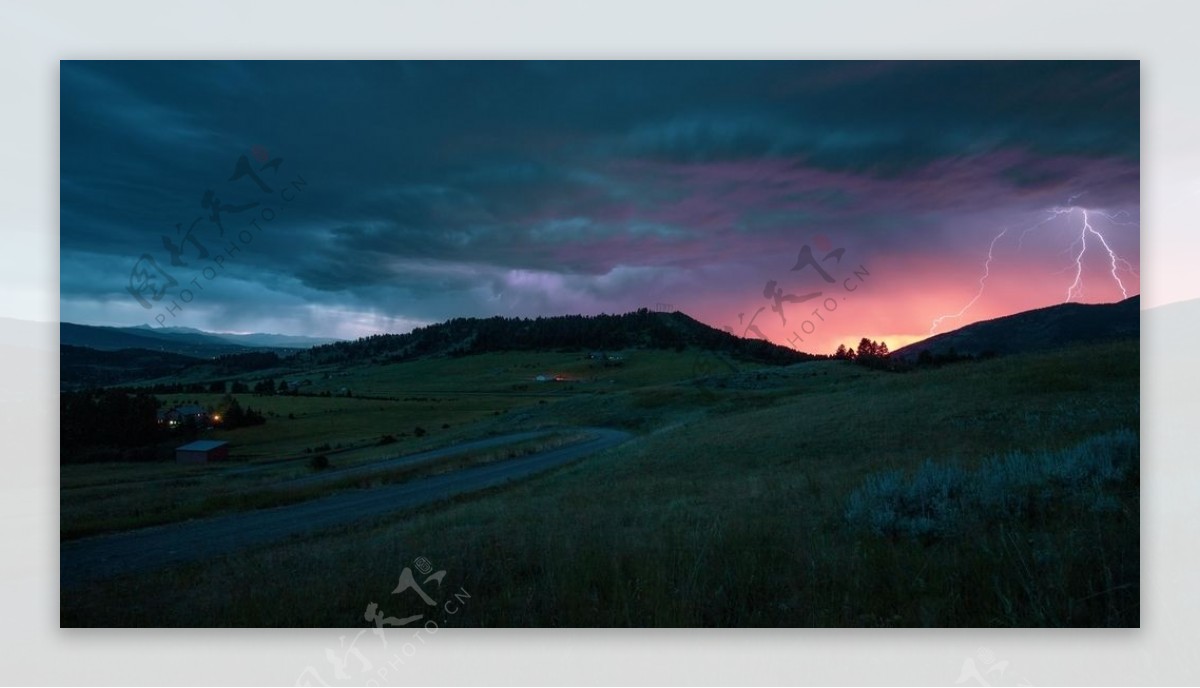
x=938, y=501
x=387, y=439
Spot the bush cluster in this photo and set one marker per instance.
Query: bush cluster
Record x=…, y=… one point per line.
x=943, y=500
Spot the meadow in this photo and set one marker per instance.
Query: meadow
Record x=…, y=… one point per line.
x=422, y=405
x=740, y=501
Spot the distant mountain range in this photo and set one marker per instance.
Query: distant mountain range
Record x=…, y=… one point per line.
x=1037, y=330
x=180, y=340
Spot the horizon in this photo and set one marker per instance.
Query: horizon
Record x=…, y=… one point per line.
x=751, y=196
x=850, y=343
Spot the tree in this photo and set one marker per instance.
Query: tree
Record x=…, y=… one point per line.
x=231, y=413
x=107, y=425
x=866, y=348
x=252, y=417
x=233, y=416
x=875, y=354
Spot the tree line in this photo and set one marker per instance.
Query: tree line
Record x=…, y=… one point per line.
x=873, y=354
x=117, y=425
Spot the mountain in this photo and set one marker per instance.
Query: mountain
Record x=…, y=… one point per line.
x=179, y=340
x=1173, y=323
x=275, y=341
x=1036, y=330
x=255, y=340
x=639, y=329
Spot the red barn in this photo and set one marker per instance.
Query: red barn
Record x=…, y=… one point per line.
x=202, y=451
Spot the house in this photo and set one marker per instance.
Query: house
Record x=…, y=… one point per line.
x=202, y=451
x=607, y=360
x=187, y=414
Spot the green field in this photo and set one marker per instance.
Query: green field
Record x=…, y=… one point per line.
x=490, y=394
x=728, y=509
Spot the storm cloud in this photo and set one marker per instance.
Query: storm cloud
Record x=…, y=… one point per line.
x=404, y=193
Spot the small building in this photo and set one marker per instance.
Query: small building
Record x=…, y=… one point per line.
x=202, y=451
x=187, y=414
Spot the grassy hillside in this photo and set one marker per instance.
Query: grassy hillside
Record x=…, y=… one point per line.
x=736, y=506
x=444, y=344
x=421, y=404
x=81, y=367
x=641, y=329
x=1041, y=329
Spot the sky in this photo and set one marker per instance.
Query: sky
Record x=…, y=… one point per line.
x=808, y=203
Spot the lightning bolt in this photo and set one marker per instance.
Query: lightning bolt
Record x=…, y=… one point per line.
x=1121, y=263
x=1117, y=264
x=1113, y=258
x=1076, y=288
x=987, y=270
x=1051, y=214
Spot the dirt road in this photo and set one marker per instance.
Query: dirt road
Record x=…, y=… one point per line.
x=97, y=558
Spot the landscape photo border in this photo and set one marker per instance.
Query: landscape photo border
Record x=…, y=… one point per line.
x=148, y=278
x=1157, y=653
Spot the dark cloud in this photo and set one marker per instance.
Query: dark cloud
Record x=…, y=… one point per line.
x=436, y=189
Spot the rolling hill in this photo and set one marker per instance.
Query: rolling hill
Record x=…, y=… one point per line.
x=639, y=329
x=1036, y=330
x=81, y=367
x=108, y=356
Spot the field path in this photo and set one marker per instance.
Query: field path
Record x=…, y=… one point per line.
x=96, y=558
x=384, y=465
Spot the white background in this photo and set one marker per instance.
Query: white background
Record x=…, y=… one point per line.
x=34, y=36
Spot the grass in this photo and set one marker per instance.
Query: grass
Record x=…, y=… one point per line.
x=96, y=511
x=942, y=500
x=729, y=509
